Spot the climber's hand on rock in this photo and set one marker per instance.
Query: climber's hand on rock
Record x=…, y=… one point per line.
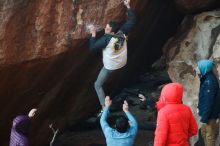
x=92, y=30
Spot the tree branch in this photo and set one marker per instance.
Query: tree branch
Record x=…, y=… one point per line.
x=54, y=134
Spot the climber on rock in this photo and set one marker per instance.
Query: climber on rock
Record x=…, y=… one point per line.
x=114, y=49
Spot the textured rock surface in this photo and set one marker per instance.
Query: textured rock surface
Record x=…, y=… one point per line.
x=45, y=62
x=198, y=38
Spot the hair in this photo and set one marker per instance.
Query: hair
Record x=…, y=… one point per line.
x=114, y=25
x=122, y=124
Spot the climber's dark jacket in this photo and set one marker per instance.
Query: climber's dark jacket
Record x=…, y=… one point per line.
x=99, y=44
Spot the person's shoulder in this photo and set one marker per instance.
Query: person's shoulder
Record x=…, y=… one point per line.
x=211, y=76
x=210, y=79
x=173, y=108
x=107, y=37
x=186, y=107
x=165, y=110
x=21, y=118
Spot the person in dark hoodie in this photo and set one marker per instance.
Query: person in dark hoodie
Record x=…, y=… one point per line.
x=209, y=101
x=175, y=121
x=114, y=49
x=20, y=127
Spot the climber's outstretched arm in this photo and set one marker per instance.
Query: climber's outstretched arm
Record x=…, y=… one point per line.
x=131, y=21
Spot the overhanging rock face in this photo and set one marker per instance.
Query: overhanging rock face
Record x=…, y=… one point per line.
x=198, y=38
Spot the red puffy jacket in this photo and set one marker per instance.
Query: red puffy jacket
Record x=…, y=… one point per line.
x=175, y=121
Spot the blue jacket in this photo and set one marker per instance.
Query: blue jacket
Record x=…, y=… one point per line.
x=115, y=138
x=209, y=98
x=99, y=44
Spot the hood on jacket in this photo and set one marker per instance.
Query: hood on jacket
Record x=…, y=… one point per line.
x=21, y=124
x=171, y=93
x=205, y=66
